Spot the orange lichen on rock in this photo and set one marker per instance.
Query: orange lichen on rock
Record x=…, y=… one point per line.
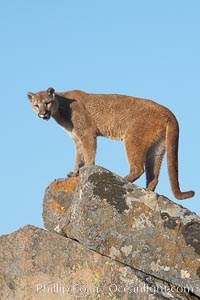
x=65, y=228
x=98, y=271
x=67, y=185
x=56, y=207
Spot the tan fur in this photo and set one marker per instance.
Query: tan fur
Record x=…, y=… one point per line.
x=147, y=129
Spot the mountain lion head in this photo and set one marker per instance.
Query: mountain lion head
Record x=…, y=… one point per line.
x=44, y=104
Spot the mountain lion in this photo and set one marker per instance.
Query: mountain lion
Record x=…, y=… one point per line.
x=147, y=129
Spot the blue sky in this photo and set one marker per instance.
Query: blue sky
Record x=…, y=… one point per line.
x=141, y=48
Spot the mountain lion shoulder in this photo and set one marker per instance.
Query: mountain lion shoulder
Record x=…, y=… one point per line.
x=147, y=129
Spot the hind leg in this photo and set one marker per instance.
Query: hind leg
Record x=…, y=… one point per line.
x=153, y=163
x=135, y=151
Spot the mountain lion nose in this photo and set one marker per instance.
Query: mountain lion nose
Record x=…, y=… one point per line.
x=43, y=114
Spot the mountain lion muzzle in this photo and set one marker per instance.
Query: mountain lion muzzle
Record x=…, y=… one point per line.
x=45, y=116
x=148, y=130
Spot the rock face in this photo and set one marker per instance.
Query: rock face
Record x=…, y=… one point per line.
x=128, y=224
x=106, y=239
x=36, y=264
x=39, y=265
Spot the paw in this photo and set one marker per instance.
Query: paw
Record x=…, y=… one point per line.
x=72, y=174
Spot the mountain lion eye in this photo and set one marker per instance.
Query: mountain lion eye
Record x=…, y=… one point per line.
x=36, y=105
x=47, y=103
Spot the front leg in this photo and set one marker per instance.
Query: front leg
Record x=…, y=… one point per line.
x=85, y=153
x=84, y=135
x=89, y=148
x=79, y=158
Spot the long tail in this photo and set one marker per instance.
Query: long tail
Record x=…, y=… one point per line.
x=172, y=136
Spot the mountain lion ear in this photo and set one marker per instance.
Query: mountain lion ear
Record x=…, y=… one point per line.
x=30, y=96
x=50, y=91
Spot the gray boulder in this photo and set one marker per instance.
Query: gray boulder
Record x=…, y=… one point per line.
x=128, y=224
